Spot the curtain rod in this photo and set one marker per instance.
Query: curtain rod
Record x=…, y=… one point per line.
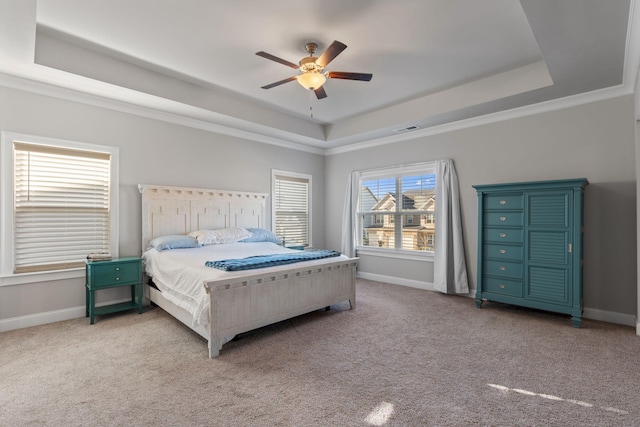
x=403, y=165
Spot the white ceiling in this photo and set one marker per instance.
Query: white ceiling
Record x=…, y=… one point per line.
x=433, y=61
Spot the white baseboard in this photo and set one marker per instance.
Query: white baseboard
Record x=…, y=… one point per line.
x=47, y=317
x=609, y=316
x=588, y=313
x=428, y=286
x=75, y=312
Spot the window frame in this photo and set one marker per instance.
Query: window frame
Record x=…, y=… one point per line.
x=7, y=275
x=296, y=175
x=384, y=173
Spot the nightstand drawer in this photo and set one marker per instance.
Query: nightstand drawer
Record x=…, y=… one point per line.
x=110, y=268
x=121, y=278
x=115, y=274
x=507, y=201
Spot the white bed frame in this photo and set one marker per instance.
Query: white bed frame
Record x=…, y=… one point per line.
x=240, y=304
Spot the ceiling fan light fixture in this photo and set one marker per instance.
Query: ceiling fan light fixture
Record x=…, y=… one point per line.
x=311, y=80
x=312, y=75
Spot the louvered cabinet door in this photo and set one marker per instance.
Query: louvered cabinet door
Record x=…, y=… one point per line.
x=531, y=257
x=548, y=261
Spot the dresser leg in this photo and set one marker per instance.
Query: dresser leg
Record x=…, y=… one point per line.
x=479, y=302
x=576, y=321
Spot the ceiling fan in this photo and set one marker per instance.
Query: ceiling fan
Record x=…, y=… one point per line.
x=312, y=68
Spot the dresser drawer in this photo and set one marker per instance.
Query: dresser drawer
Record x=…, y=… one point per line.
x=510, y=219
x=503, y=269
x=507, y=201
x=503, y=252
x=513, y=288
x=502, y=235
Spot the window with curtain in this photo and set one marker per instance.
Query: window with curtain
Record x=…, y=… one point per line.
x=291, y=200
x=62, y=204
x=396, y=208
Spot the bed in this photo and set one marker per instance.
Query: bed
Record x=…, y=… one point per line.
x=239, y=301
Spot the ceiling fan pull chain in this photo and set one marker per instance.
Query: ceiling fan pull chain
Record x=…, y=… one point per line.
x=311, y=104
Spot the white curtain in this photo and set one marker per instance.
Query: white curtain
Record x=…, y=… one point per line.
x=349, y=228
x=450, y=269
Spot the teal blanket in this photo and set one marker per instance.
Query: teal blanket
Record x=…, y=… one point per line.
x=260, y=261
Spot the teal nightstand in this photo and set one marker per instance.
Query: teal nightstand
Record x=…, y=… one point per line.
x=112, y=274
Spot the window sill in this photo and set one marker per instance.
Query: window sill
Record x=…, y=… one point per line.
x=395, y=253
x=43, y=276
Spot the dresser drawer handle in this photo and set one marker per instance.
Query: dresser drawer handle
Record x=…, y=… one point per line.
x=503, y=202
x=503, y=268
x=117, y=278
x=501, y=286
x=503, y=235
x=503, y=218
x=503, y=251
x=117, y=268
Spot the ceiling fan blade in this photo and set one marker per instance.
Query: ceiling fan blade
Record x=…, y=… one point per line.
x=332, y=51
x=320, y=93
x=349, y=76
x=275, y=58
x=279, y=83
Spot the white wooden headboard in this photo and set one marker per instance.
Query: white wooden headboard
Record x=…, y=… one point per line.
x=180, y=210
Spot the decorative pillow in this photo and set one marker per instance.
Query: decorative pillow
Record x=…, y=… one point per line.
x=205, y=237
x=220, y=235
x=261, y=235
x=232, y=234
x=173, y=242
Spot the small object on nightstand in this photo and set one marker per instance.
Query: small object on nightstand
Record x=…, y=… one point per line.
x=296, y=247
x=117, y=272
x=99, y=256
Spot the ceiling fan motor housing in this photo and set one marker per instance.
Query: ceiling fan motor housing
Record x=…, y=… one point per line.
x=308, y=64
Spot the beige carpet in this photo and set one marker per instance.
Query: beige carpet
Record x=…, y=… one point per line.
x=403, y=357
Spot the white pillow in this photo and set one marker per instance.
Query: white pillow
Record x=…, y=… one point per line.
x=221, y=235
x=232, y=234
x=204, y=237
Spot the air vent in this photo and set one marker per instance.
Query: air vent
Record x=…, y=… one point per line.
x=407, y=129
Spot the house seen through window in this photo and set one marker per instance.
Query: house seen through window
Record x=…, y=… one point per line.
x=396, y=208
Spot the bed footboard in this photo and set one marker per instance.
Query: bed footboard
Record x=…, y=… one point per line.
x=245, y=303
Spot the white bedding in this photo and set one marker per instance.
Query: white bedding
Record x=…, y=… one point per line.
x=180, y=273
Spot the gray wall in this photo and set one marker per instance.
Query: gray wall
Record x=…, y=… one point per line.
x=151, y=152
x=595, y=140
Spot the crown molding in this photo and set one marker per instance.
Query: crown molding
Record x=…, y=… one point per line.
x=12, y=81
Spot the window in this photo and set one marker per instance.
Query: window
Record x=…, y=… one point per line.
x=58, y=203
x=291, y=206
x=396, y=208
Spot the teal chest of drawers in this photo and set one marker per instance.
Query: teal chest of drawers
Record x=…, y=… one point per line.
x=530, y=245
x=118, y=272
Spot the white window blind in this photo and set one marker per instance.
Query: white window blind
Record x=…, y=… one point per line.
x=291, y=208
x=61, y=206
